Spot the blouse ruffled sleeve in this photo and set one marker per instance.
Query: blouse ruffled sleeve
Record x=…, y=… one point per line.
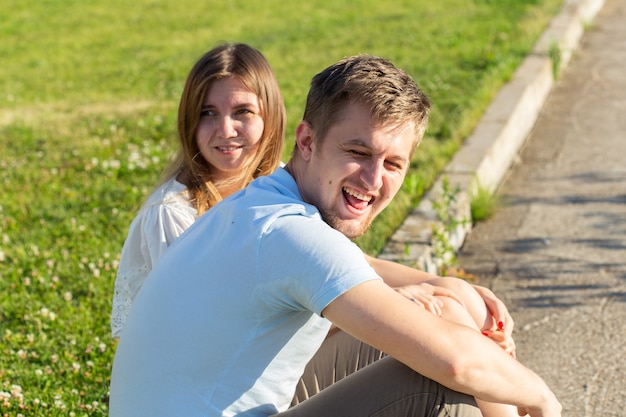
x=154, y=229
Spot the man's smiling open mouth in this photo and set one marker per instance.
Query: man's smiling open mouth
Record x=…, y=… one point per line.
x=356, y=199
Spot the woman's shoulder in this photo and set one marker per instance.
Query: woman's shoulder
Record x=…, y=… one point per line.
x=169, y=194
x=169, y=200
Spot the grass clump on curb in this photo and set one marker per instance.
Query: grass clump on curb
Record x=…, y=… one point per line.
x=483, y=203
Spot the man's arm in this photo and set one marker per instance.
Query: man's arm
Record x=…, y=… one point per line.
x=451, y=354
x=397, y=275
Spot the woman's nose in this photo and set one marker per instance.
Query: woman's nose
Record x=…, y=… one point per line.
x=226, y=127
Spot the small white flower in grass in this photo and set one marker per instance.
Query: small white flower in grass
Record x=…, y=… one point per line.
x=134, y=156
x=16, y=392
x=2, y=256
x=76, y=367
x=67, y=296
x=59, y=404
x=5, y=399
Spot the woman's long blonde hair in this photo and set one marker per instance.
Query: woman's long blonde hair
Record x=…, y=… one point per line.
x=253, y=70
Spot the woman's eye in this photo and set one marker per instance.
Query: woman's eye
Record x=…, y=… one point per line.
x=243, y=112
x=207, y=113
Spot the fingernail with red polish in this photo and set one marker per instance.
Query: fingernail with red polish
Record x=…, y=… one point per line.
x=485, y=334
x=500, y=325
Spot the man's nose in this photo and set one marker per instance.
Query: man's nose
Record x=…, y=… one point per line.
x=372, y=173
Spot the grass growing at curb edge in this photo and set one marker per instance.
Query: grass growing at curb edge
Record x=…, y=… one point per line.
x=483, y=203
x=88, y=96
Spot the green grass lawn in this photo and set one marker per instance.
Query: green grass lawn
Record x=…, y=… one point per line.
x=88, y=96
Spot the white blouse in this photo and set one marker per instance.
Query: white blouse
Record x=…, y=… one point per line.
x=164, y=217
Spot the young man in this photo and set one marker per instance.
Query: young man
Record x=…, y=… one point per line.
x=239, y=304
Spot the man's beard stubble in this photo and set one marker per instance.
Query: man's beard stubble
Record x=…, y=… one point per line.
x=352, y=232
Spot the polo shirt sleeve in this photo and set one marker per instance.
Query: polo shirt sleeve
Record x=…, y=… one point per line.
x=304, y=264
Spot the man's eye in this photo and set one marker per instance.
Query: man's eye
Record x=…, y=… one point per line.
x=357, y=153
x=393, y=165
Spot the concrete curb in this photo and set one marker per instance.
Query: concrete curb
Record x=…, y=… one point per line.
x=489, y=151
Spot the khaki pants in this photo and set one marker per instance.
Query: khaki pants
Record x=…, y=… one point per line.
x=331, y=386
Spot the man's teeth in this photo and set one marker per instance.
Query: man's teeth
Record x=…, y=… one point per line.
x=356, y=194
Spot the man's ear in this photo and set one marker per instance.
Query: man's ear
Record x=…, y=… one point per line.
x=304, y=140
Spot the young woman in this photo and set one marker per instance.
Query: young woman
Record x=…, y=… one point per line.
x=231, y=123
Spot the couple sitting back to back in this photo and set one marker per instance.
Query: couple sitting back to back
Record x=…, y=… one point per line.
x=235, y=317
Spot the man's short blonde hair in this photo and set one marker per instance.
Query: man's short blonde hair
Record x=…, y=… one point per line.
x=391, y=93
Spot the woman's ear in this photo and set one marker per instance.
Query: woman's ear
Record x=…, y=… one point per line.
x=304, y=140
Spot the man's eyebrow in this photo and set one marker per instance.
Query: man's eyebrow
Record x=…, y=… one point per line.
x=357, y=142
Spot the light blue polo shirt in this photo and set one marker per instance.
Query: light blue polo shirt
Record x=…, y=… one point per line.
x=230, y=315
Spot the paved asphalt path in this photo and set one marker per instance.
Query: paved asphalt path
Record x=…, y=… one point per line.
x=555, y=252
